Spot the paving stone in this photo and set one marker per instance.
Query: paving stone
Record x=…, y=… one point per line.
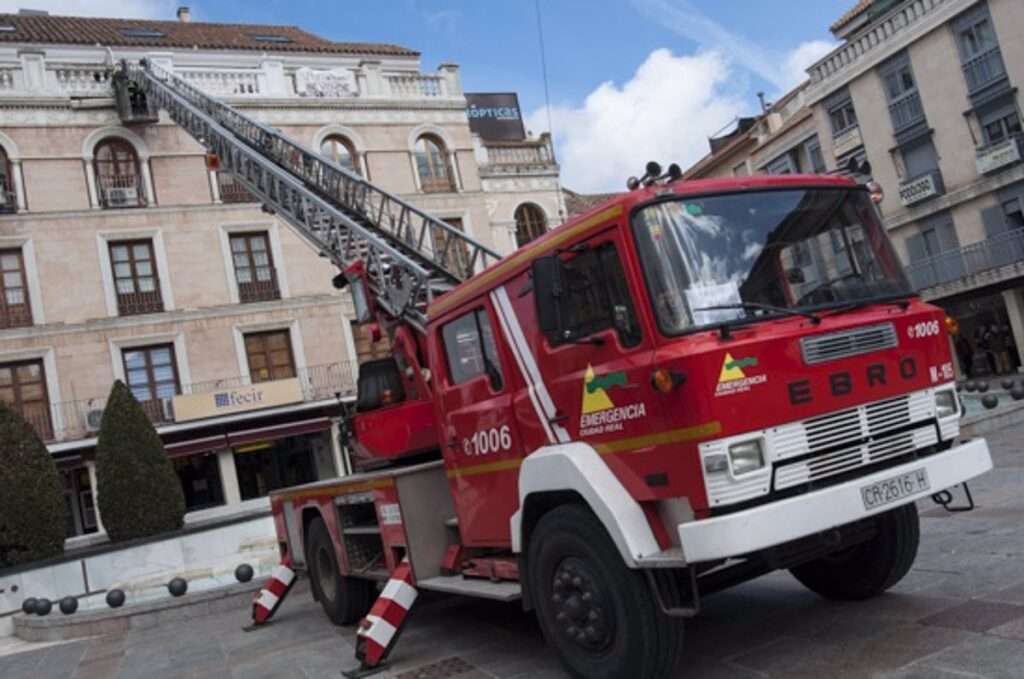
x=976, y=616
x=988, y=657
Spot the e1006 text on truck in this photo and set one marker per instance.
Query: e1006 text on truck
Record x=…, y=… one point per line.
x=687, y=387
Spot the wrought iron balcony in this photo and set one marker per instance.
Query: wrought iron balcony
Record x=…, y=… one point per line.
x=134, y=303
x=984, y=69
x=261, y=287
x=81, y=418
x=231, y=191
x=922, y=187
x=993, y=259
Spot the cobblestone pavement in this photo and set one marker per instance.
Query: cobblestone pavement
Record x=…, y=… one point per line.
x=959, y=613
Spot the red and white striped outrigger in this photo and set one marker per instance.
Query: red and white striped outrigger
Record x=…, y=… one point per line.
x=379, y=630
x=273, y=593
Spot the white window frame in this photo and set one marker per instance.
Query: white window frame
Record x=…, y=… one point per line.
x=118, y=345
x=103, y=241
x=276, y=252
x=294, y=335
x=28, y=258
x=49, y=359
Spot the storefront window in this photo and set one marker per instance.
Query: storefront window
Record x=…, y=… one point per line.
x=200, y=481
x=268, y=465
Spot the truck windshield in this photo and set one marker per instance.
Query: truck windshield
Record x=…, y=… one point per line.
x=802, y=249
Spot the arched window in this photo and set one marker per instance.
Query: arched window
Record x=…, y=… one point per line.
x=340, y=150
x=432, y=165
x=118, y=177
x=8, y=200
x=530, y=223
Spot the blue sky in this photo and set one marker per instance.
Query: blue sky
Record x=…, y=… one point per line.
x=628, y=79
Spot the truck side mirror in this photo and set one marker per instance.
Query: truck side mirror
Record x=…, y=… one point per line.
x=548, y=289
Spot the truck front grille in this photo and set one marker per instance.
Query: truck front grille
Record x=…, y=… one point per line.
x=836, y=345
x=841, y=442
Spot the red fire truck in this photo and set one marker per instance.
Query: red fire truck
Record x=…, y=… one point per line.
x=689, y=386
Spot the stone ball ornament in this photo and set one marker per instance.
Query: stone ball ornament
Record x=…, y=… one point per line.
x=115, y=598
x=43, y=606
x=971, y=386
x=982, y=387
x=28, y=606
x=68, y=605
x=177, y=587
x=243, y=573
x=1007, y=384
x=990, y=401
x=1017, y=393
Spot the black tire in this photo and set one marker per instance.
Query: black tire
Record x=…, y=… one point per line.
x=870, y=568
x=570, y=556
x=345, y=600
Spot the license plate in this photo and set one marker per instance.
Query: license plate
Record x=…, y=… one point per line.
x=894, y=489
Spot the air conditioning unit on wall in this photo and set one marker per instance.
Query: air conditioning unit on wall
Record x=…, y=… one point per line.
x=122, y=196
x=93, y=419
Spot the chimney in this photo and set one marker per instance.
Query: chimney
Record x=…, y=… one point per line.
x=184, y=14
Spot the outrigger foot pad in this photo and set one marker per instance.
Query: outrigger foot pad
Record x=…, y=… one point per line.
x=363, y=671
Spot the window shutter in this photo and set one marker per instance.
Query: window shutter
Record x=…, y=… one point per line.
x=916, y=250
x=994, y=221
x=947, y=236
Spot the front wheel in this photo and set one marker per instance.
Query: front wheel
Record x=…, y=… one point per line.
x=870, y=568
x=345, y=600
x=599, y=616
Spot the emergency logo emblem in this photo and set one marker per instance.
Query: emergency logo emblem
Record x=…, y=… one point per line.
x=598, y=412
x=733, y=379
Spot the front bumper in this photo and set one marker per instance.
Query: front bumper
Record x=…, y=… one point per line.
x=802, y=515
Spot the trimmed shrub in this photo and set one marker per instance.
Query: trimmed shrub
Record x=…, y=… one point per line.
x=139, y=493
x=32, y=513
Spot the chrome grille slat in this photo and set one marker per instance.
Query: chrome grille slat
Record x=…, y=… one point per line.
x=846, y=435
x=838, y=345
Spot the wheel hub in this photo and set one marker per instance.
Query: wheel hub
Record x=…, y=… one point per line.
x=580, y=611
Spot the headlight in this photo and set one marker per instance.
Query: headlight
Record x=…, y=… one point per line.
x=945, y=403
x=716, y=464
x=746, y=457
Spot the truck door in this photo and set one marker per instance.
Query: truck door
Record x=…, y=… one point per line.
x=598, y=363
x=480, y=438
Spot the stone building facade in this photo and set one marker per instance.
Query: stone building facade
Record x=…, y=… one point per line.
x=123, y=256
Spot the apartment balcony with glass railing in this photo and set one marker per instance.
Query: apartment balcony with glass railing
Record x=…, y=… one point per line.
x=989, y=261
x=72, y=420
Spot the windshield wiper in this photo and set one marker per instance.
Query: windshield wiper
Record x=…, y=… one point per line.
x=761, y=307
x=901, y=301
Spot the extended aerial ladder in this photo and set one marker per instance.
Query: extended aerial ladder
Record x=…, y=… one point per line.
x=406, y=256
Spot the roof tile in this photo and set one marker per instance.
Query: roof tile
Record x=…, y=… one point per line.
x=109, y=32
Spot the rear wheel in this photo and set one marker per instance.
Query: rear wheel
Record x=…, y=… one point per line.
x=345, y=600
x=599, y=616
x=870, y=568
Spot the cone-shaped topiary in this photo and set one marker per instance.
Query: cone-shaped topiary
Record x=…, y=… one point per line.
x=32, y=514
x=139, y=493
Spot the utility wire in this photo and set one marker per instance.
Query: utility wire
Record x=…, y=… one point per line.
x=544, y=70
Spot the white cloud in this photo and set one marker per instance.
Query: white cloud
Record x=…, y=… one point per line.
x=134, y=9
x=665, y=112
x=796, y=63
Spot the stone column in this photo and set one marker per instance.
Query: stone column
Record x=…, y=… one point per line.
x=147, y=182
x=374, y=79
x=94, y=488
x=19, y=185
x=228, y=477
x=453, y=161
x=90, y=183
x=215, y=187
x=1014, y=300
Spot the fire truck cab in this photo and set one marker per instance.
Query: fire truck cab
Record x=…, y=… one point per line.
x=689, y=386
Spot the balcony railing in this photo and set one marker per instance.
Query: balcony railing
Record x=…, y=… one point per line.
x=259, y=290
x=984, y=69
x=414, y=85
x=15, y=315
x=231, y=191
x=921, y=188
x=988, y=255
x=997, y=156
x=873, y=43
x=81, y=418
x=134, y=303
x=906, y=111
x=120, y=190
x=516, y=157
x=223, y=82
